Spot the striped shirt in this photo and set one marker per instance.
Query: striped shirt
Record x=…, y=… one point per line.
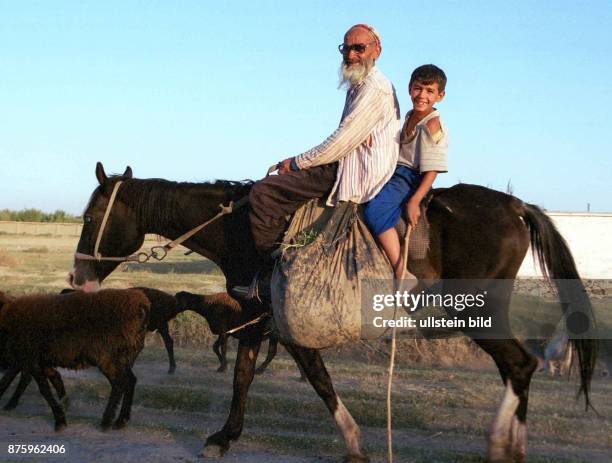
x=366, y=143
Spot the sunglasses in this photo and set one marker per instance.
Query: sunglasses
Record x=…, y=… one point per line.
x=358, y=48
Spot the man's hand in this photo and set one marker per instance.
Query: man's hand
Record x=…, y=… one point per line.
x=414, y=211
x=284, y=166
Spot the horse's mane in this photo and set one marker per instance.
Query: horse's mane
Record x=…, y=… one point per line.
x=146, y=195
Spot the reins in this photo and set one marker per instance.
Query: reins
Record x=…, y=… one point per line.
x=157, y=252
x=160, y=252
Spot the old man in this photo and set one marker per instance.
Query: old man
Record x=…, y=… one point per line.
x=352, y=164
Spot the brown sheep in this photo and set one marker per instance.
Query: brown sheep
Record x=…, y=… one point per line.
x=104, y=329
x=223, y=313
x=51, y=373
x=163, y=309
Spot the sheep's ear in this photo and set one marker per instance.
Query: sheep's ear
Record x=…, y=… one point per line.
x=128, y=172
x=100, y=174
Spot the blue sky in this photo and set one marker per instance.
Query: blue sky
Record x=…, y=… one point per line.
x=199, y=90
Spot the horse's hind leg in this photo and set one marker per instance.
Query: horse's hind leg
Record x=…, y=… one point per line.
x=312, y=364
x=508, y=438
x=218, y=443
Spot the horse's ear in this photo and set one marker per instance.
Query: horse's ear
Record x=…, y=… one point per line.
x=128, y=172
x=100, y=174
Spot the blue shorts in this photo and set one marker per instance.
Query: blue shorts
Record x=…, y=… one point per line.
x=384, y=210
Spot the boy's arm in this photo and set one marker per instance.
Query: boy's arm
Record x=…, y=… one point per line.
x=434, y=147
x=414, y=203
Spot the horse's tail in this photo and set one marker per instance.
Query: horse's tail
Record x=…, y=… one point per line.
x=557, y=263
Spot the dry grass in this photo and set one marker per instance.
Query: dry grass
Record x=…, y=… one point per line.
x=7, y=260
x=37, y=250
x=440, y=414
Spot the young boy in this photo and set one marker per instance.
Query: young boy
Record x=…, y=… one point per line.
x=423, y=153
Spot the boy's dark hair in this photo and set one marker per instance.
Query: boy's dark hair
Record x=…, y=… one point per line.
x=427, y=75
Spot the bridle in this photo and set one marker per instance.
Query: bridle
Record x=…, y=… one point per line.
x=157, y=252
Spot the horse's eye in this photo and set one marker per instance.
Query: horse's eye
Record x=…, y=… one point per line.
x=87, y=219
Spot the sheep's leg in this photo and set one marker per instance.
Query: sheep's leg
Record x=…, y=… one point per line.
x=272, y=349
x=220, y=348
x=115, y=396
x=244, y=370
x=7, y=379
x=56, y=381
x=45, y=390
x=169, y=343
x=224, y=352
x=24, y=381
x=129, y=382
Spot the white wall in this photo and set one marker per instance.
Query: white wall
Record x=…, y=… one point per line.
x=589, y=236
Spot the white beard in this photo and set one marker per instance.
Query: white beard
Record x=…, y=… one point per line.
x=351, y=76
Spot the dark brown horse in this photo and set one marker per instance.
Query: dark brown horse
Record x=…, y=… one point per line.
x=475, y=233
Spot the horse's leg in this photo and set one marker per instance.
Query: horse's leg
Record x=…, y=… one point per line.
x=169, y=343
x=302, y=374
x=312, y=364
x=508, y=437
x=272, y=348
x=218, y=443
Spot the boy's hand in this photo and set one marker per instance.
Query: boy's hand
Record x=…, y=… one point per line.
x=284, y=166
x=413, y=209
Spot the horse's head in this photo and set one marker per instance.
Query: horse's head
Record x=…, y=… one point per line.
x=120, y=236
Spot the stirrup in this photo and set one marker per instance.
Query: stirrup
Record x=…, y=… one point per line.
x=254, y=291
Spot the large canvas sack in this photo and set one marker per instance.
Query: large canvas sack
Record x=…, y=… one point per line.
x=328, y=257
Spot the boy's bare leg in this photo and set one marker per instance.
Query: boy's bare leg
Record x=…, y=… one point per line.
x=390, y=242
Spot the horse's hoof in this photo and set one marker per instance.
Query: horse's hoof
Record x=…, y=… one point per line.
x=356, y=459
x=499, y=454
x=120, y=423
x=65, y=402
x=171, y=371
x=259, y=372
x=211, y=451
x=60, y=426
x=104, y=426
x=222, y=369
